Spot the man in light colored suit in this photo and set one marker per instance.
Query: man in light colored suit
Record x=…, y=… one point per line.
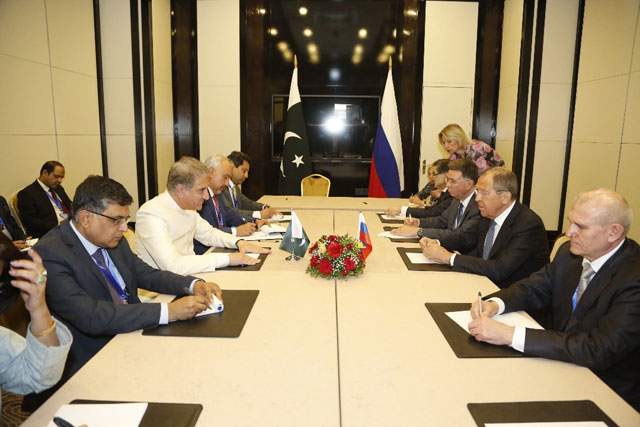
x=167, y=225
x=234, y=200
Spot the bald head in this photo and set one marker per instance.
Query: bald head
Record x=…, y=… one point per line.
x=607, y=207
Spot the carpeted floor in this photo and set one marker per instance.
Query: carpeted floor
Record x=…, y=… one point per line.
x=12, y=415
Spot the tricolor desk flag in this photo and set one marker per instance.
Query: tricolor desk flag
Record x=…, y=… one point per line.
x=386, y=178
x=295, y=239
x=296, y=155
x=363, y=236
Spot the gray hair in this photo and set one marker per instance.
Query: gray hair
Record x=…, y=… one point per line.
x=610, y=207
x=185, y=172
x=503, y=180
x=216, y=161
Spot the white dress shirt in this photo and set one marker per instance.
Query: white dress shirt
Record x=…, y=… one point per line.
x=165, y=234
x=59, y=212
x=255, y=214
x=519, y=332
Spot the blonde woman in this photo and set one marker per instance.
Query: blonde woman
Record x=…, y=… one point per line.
x=458, y=145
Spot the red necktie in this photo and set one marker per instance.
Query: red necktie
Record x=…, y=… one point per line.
x=218, y=212
x=59, y=202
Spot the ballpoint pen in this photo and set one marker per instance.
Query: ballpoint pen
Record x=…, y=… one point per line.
x=479, y=304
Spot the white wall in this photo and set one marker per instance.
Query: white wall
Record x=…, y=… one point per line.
x=605, y=150
x=48, y=91
x=449, y=74
x=219, y=76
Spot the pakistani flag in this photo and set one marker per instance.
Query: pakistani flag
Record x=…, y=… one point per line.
x=296, y=157
x=295, y=239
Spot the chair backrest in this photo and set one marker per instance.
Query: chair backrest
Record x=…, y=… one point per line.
x=130, y=235
x=315, y=185
x=13, y=206
x=556, y=245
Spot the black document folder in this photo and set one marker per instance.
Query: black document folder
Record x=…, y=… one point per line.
x=420, y=267
x=389, y=221
x=530, y=412
x=161, y=414
x=255, y=267
x=401, y=240
x=228, y=323
x=463, y=344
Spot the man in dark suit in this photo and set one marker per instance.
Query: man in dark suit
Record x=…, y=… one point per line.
x=93, y=277
x=456, y=228
x=214, y=210
x=9, y=226
x=233, y=198
x=593, y=289
x=44, y=204
x=511, y=246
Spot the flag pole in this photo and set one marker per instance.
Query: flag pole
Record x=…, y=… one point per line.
x=293, y=257
x=390, y=60
x=295, y=61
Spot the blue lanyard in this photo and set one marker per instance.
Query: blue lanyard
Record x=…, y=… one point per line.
x=233, y=196
x=218, y=213
x=112, y=280
x=54, y=200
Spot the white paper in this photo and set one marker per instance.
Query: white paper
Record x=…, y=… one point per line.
x=399, y=216
x=280, y=218
x=102, y=415
x=419, y=258
x=393, y=236
x=516, y=318
x=259, y=235
x=551, y=424
x=216, y=306
x=273, y=228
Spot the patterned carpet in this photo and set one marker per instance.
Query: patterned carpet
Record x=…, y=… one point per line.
x=12, y=416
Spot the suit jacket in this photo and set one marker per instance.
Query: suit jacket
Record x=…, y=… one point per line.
x=603, y=332
x=36, y=212
x=520, y=249
x=443, y=203
x=10, y=222
x=78, y=294
x=246, y=206
x=229, y=218
x=462, y=239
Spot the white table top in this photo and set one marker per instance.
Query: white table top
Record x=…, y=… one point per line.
x=362, y=352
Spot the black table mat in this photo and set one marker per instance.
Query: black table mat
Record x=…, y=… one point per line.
x=228, y=324
x=254, y=267
x=420, y=267
x=463, y=344
x=528, y=412
x=389, y=221
x=160, y=414
x=399, y=240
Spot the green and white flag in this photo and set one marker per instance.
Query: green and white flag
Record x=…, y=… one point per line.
x=296, y=156
x=295, y=239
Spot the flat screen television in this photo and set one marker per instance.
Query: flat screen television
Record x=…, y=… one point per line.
x=338, y=127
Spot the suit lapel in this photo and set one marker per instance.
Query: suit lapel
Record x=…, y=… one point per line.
x=467, y=210
x=567, y=288
x=452, y=218
x=125, y=273
x=505, y=229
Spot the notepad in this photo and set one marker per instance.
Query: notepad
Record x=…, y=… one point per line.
x=259, y=235
x=216, y=306
x=102, y=415
x=516, y=318
x=280, y=218
x=388, y=235
x=419, y=258
x=392, y=217
x=273, y=228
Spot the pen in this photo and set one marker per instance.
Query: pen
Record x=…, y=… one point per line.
x=365, y=203
x=479, y=304
x=409, y=217
x=61, y=422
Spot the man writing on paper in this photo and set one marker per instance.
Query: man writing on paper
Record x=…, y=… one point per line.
x=593, y=289
x=456, y=227
x=167, y=225
x=214, y=210
x=93, y=277
x=511, y=246
x=234, y=200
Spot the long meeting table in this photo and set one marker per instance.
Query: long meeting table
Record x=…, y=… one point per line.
x=360, y=352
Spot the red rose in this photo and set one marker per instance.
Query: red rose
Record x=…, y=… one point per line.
x=361, y=256
x=313, y=261
x=324, y=266
x=349, y=264
x=333, y=238
x=349, y=247
x=334, y=249
x=345, y=272
x=313, y=248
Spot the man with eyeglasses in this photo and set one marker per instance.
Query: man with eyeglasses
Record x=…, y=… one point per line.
x=93, y=276
x=44, y=204
x=456, y=227
x=511, y=246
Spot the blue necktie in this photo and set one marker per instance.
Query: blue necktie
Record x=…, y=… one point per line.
x=459, y=216
x=488, y=241
x=100, y=261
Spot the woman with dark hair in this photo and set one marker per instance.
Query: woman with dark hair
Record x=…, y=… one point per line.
x=35, y=363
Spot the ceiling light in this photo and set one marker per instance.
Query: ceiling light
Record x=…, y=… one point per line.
x=303, y=10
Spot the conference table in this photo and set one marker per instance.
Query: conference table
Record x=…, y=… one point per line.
x=316, y=352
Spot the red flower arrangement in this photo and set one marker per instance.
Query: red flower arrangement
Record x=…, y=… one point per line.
x=336, y=257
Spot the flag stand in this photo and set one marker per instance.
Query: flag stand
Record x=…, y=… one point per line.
x=293, y=257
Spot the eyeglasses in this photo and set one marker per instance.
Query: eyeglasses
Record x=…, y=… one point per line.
x=455, y=181
x=116, y=221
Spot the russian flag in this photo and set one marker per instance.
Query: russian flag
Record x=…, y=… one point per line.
x=386, y=178
x=363, y=235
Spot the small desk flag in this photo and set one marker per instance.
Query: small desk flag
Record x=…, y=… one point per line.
x=295, y=239
x=363, y=235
